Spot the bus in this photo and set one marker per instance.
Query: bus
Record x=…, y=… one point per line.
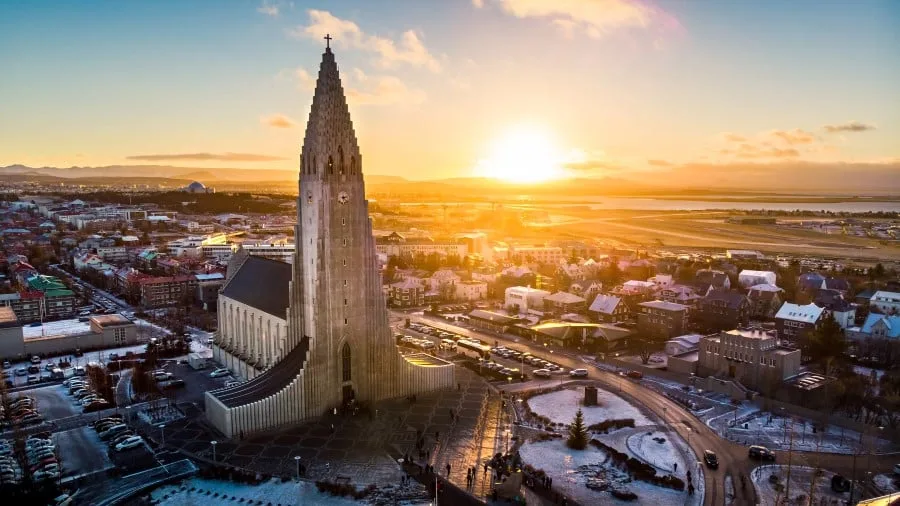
x=473, y=348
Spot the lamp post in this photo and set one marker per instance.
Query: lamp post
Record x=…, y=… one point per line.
x=214, y=443
x=162, y=430
x=297, y=460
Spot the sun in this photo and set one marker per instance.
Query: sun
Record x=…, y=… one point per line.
x=523, y=154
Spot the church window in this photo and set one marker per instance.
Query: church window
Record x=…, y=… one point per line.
x=330, y=165
x=340, y=160
x=314, y=165
x=345, y=362
x=345, y=321
x=345, y=302
x=345, y=282
x=345, y=263
x=344, y=241
x=352, y=165
x=343, y=221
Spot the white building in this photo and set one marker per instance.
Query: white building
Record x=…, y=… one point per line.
x=682, y=344
x=886, y=302
x=471, y=290
x=113, y=254
x=192, y=246
x=276, y=250
x=748, y=278
x=525, y=298
x=540, y=254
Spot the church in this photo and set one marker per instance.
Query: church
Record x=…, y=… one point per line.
x=313, y=336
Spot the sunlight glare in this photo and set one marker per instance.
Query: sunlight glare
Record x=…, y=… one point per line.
x=524, y=154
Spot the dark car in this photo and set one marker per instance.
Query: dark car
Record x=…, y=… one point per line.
x=712, y=461
x=635, y=374
x=761, y=453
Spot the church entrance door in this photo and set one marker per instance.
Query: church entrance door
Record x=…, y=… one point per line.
x=348, y=394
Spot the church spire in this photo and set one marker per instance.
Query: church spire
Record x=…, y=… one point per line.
x=329, y=145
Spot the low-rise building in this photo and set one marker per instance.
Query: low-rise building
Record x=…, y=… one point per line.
x=886, y=302
x=407, y=293
x=113, y=253
x=564, y=302
x=489, y=320
x=586, y=337
x=164, y=291
x=609, y=309
x=682, y=344
x=66, y=336
x=524, y=299
x=748, y=278
x=395, y=244
x=751, y=356
x=765, y=300
x=660, y=320
x=471, y=290
x=721, y=310
x=877, y=326
x=833, y=302
x=794, y=322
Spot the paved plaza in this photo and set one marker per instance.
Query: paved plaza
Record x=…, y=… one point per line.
x=364, y=448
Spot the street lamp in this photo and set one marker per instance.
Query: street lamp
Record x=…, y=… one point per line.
x=297, y=460
x=214, y=443
x=162, y=430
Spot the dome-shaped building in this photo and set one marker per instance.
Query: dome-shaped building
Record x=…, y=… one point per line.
x=198, y=187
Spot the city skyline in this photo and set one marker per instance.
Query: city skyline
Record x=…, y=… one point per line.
x=534, y=90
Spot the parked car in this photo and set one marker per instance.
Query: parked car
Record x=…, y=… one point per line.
x=541, y=373
x=132, y=442
x=711, y=459
x=35, y=359
x=33, y=380
x=112, y=431
x=21, y=371
x=578, y=373
x=33, y=369
x=218, y=373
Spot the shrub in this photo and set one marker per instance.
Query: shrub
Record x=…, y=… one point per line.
x=624, y=494
x=612, y=424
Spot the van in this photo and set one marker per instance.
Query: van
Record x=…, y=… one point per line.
x=448, y=344
x=760, y=453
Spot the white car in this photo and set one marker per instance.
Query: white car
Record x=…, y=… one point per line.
x=132, y=442
x=541, y=373
x=43, y=475
x=218, y=373
x=578, y=373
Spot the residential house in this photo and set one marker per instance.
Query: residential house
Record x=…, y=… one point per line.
x=838, y=284
x=885, y=302
x=489, y=320
x=712, y=278
x=765, y=300
x=877, y=326
x=609, y=309
x=471, y=290
x=59, y=301
x=586, y=337
x=407, y=293
x=794, y=322
x=660, y=320
x=680, y=294
x=748, y=278
x=564, y=302
x=721, y=310
x=443, y=282
x=834, y=303
x=167, y=290
x=810, y=281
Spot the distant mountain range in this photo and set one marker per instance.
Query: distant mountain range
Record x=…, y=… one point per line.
x=783, y=178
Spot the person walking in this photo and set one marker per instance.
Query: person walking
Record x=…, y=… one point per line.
x=448, y=469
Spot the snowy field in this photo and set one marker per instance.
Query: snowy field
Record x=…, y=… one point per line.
x=572, y=470
x=801, y=479
x=561, y=406
x=774, y=432
x=655, y=448
x=273, y=492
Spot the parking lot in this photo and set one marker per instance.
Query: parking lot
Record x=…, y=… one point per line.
x=53, y=402
x=81, y=452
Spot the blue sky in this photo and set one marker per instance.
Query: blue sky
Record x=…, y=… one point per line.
x=97, y=83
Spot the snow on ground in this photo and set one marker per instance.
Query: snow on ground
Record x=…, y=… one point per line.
x=655, y=448
x=801, y=478
x=560, y=407
x=571, y=470
x=271, y=492
x=886, y=483
x=868, y=372
x=774, y=432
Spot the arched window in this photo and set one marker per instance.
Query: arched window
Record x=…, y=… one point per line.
x=340, y=160
x=353, y=165
x=330, y=165
x=345, y=362
x=314, y=165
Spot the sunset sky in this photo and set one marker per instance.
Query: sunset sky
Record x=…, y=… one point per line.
x=447, y=88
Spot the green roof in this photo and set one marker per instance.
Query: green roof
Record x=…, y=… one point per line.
x=45, y=283
x=59, y=293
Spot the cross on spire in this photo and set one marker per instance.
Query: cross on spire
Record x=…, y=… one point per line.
x=327, y=41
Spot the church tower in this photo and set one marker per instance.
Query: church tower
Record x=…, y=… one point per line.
x=342, y=348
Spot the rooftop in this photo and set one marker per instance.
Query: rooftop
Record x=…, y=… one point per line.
x=809, y=313
x=425, y=360
x=59, y=328
x=752, y=333
x=110, y=320
x=8, y=317
x=663, y=305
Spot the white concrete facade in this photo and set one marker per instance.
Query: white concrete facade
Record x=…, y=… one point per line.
x=249, y=340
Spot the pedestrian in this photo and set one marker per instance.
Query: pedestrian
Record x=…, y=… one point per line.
x=448, y=469
x=675, y=464
x=485, y=468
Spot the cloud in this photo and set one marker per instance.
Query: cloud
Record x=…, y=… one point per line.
x=380, y=90
x=593, y=164
x=595, y=18
x=792, y=137
x=278, y=121
x=732, y=137
x=268, y=9
x=850, y=126
x=660, y=163
x=408, y=50
x=202, y=157
x=764, y=150
x=478, y=3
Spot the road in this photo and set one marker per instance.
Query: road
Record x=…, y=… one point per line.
x=732, y=457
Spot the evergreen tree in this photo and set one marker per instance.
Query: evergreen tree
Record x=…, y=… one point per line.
x=827, y=343
x=578, y=433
